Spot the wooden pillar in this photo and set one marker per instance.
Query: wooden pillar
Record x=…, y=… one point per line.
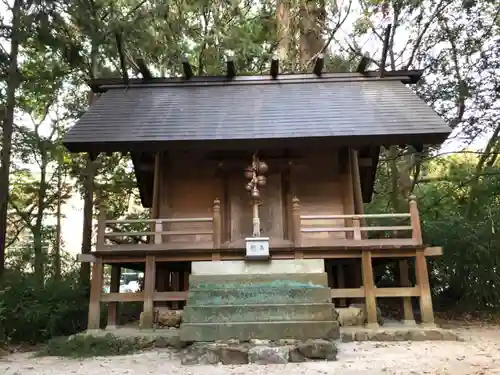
x=356, y=184
x=155, y=206
x=156, y=187
x=95, y=295
x=422, y=276
x=175, y=287
x=114, y=288
x=185, y=286
x=217, y=228
x=369, y=287
x=359, y=207
x=415, y=220
x=341, y=282
x=149, y=289
x=347, y=185
x=358, y=200
x=296, y=228
x=408, y=317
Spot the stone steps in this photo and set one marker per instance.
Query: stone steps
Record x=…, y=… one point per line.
x=270, y=301
x=228, y=281
x=257, y=295
x=260, y=313
x=245, y=331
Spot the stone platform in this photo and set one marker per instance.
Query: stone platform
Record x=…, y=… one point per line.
x=274, y=300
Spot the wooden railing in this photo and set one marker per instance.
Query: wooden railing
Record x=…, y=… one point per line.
x=356, y=230
x=156, y=235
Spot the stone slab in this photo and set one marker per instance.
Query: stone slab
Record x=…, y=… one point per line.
x=160, y=338
x=237, y=267
x=259, y=313
x=245, y=331
x=397, y=333
x=258, y=296
x=226, y=281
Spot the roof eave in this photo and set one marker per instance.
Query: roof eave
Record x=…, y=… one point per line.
x=227, y=144
x=100, y=85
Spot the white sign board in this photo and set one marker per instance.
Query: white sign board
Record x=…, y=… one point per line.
x=257, y=247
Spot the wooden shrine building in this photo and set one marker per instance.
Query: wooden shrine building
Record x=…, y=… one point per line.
x=282, y=161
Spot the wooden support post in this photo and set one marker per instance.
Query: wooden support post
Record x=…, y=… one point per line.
x=415, y=220
x=168, y=284
x=356, y=183
x=155, y=207
x=156, y=187
x=158, y=232
x=217, y=228
x=176, y=287
x=95, y=295
x=114, y=288
x=341, y=282
x=149, y=289
x=408, y=317
x=347, y=187
x=185, y=287
x=101, y=226
x=369, y=287
x=422, y=275
x=296, y=227
x=357, y=231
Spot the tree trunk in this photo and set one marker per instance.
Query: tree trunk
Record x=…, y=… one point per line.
x=88, y=195
x=88, y=203
x=57, y=247
x=283, y=28
x=38, y=227
x=7, y=128
x=312, y=19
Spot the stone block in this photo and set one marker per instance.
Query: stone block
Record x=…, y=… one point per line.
x=348, y=337
x=231, y=354
x=318, y=349
x=258, y=296
x=350, y=316
x=240, y=267
x=266, y=355
x=198, y=355
x=416, y=335
x=228, y=281
x=259, y=313
x=245, y=331
x=296, y=356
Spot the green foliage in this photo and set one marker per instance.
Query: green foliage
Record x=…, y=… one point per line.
x=33, y=313
x=81, y=346
x=467, y=276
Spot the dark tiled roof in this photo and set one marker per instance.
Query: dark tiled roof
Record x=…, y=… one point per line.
x=363, y=107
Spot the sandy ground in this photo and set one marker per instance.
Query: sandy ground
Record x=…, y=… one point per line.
x=479, y=354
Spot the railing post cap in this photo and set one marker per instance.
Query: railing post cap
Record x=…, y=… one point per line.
x=295, y=200
x=412, y=198
x=216, y=201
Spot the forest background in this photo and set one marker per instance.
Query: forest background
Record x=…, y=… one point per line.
x=49, y=48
